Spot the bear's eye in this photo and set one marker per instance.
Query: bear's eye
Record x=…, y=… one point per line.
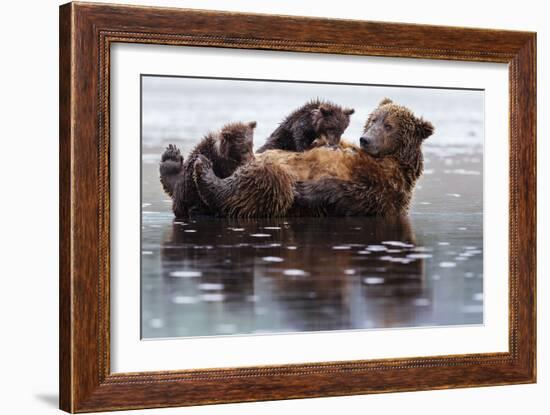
x=374, y=119
x=388, y=127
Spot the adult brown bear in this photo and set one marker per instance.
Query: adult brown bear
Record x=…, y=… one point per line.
x=376, y=178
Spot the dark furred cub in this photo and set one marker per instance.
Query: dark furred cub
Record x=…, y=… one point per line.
x=316, y=118
x=226, y=150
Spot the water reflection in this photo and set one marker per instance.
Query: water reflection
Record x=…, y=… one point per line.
x=301, y=274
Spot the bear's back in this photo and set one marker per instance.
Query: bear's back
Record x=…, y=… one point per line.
x=313, y=164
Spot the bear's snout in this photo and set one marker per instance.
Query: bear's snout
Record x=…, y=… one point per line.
x=365, y=141
x=369, y=144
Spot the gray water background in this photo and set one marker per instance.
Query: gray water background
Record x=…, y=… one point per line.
x=225, y=277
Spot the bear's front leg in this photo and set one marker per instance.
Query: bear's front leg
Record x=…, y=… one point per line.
x=301, y=140
x=209, y=186
x=171, y=165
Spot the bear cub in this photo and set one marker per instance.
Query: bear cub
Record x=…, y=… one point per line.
x=298, y=130
x=226, y=150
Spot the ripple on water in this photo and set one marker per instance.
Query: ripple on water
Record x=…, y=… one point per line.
x=210, y=286
x=419, y=256
x=373, y=280
x=447, y=264
x=341, y=247
x=463, y=172
x=272, y=259
x=260, y=235
x=208, y=247
x=397, y=260
x=295, y=273
x=186, y=274
x=376, y=248
x=212, y=297
x=398, y=244
x=183, y=299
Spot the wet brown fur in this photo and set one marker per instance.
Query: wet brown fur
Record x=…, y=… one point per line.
x=258, y=189
x=227, y=149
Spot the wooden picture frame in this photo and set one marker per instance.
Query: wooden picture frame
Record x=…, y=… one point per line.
x=86, y=33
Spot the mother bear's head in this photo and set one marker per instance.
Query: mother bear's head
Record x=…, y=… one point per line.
x=393, y=130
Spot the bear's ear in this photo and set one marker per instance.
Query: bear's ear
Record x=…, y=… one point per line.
x=385, y=101
x=252, y=124
x=349, y=111
x=423, y=129
x=325, y=109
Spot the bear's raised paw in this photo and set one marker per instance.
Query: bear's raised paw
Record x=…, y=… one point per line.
x=172, y=153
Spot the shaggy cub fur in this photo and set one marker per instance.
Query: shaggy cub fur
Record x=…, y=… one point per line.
x=226, y=150
x=299, y=129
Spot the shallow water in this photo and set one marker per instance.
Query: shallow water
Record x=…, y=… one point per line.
x=220, y=277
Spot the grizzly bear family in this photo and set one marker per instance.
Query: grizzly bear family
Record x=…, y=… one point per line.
x=375, y=178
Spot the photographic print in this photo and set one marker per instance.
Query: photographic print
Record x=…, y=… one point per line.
x=273, y=207
x=302, y=214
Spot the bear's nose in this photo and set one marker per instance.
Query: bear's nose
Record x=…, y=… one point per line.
x=363, y=141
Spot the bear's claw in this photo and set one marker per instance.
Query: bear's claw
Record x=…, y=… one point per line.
x=172, y=153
